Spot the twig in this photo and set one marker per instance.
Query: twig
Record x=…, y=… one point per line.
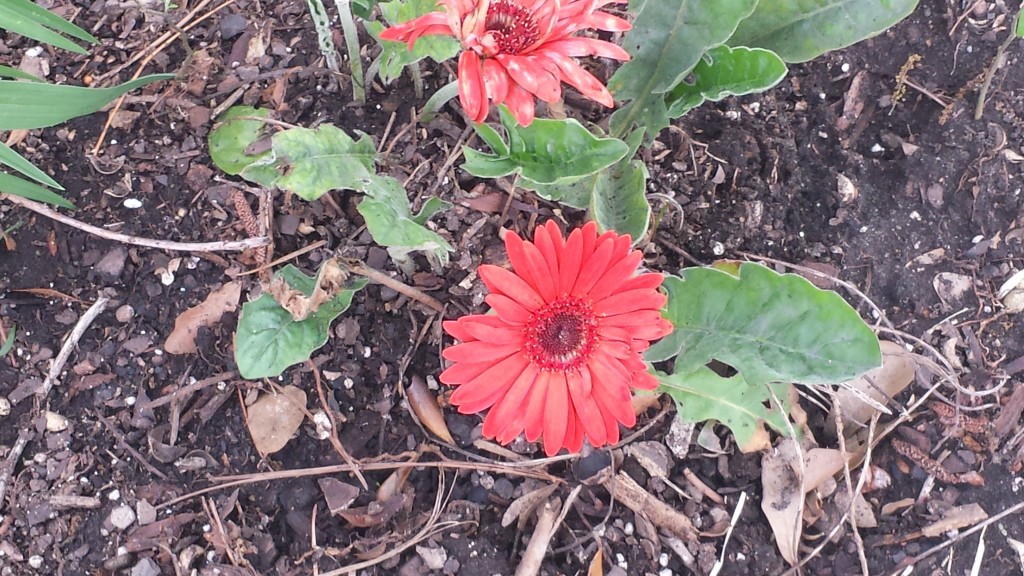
x=997, y=63
x=374, y=275
x=56, y=367
x=223, y=246
x=194, y=387
x=728, y=533
x=124, y=444
x=533, y=556
x=335, y=441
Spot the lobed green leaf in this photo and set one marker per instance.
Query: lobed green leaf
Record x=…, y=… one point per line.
x=545, y=152
x=268, y=340
x=725, y=71
x=745, y=408
x=321, y=159
x=666, y=42
x=390, y=220
x=800, y=30
x=769, y=327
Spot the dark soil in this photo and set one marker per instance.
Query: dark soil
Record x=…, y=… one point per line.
x=754, y=176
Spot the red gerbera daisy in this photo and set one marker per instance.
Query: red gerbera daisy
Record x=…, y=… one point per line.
x=514, y=50
x=562, y=352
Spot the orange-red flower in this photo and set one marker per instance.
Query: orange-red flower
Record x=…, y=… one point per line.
x=559, y=357
x=514, y=50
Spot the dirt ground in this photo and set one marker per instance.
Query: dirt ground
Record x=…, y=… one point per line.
x=858, y=164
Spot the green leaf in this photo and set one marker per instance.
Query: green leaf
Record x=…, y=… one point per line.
x=8, y=157
x=545, y=152
x=1019, y=30
x=27, y=19
x=725, y=71
x=744, y=408
x=19, y=187
x=268, y=339
x=770, y=327
x=233, y=135
x=9, y=342
x=396, y=55
x=390, y=220
x=799, y=30
x=38, y=105
x=666, y=42
x=363, y=8
x=321, y=159
x=8, y=72
x=620, y=202
x=580, y=193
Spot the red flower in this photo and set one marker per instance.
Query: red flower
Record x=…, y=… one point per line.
x=562, y=352
x=514, y=50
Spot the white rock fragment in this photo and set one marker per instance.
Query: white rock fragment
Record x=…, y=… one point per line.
x=36, y=561
x=5, y=407
x=122, y=517
x=55, y=422
x=132, y=203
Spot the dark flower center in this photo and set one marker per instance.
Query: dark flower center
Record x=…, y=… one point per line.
x=511, y=26
x=562, y=335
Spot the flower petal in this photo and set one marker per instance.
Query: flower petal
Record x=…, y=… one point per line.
x=496, y=80
x=534, y=412
x=504, y=282
x=520, y=104
x=508, y=309
x=569, y=263
x=472, y=91
x=500, y=421
x=590, y=416
x=629, y=301
x=616, y=275
x=556, y=414
x=479, y=352
x=488, y=387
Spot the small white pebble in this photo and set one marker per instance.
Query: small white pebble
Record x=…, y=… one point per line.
x=628, y=529
x=718, y=248
x=114, y=495
x=367, y=352
x=620, y=561
x=35, y=562
x=915, y=216
x=732, y=114
x=132, y=203
x=822, y=96
x=207, y=528
x=822, y=134
x=663, y=559
x=348, y=383
x=877, y=148
x=130, y=400
x=665, y=572
x=863, y=229
x=977, y=239
x=5, y=406
x=845, y=67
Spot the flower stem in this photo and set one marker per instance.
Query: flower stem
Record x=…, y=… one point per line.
x=348, y=27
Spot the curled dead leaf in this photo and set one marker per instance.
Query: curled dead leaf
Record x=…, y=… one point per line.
x=182, y=340
x=375, y=513
x=330, y=281
x=424, y=405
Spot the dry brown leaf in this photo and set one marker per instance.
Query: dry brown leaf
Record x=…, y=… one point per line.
x=274, y=418
x=783, y=497
x=596, y=564
x=339, y=495
x=821, y=464
x=394, y=483
x=424, y=404
x=330, y=280
x=954, y=519
x=182, y=340
x=522, y=508
x=881, y=384
x=375, y=513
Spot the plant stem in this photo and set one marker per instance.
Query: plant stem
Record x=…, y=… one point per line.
x=348, y=27
x=997, y=62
